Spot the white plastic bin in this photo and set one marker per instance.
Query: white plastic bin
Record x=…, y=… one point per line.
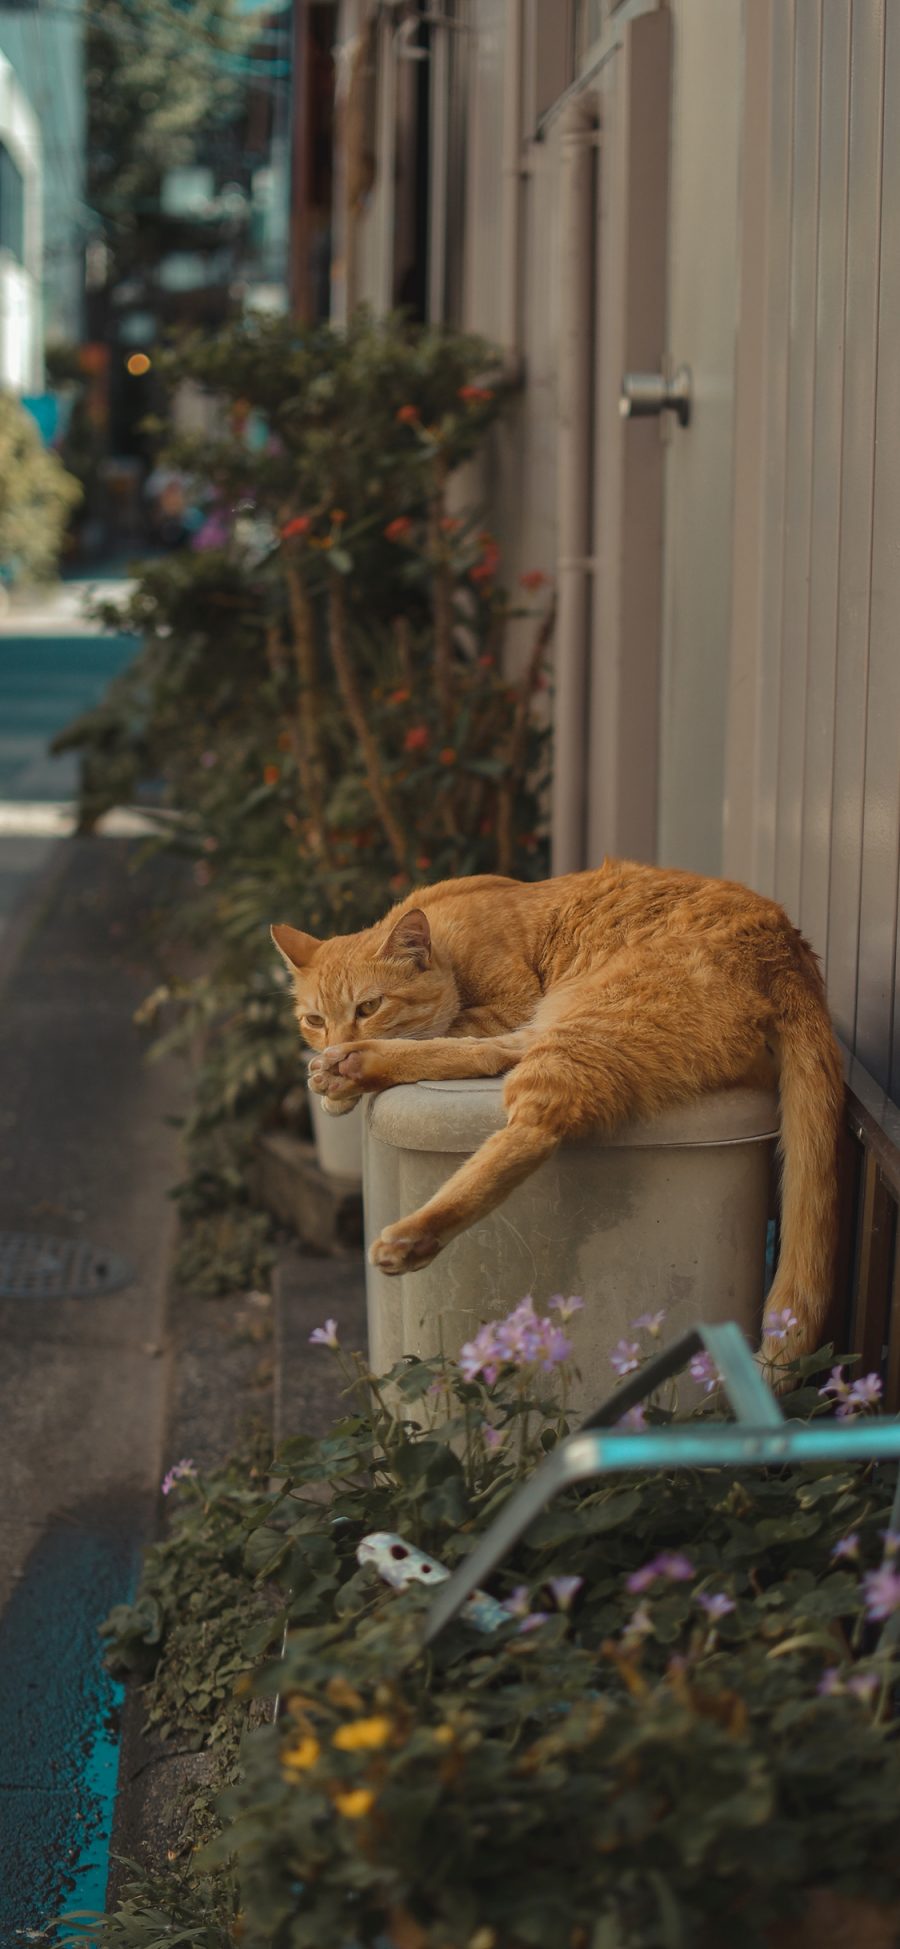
x=670, y=1214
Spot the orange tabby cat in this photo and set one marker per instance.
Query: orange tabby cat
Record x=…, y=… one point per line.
x=606, y=995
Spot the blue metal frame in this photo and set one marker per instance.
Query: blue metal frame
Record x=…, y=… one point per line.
x=760, y=1437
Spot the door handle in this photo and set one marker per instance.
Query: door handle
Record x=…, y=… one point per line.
x=650, y=393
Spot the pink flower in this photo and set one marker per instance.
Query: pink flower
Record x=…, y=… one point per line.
x=564, y=1591
x=566, y=1308
x=847, y=1546
x=779, y=1324
x=635, y=1419
x=325, y=1336
x=179, y=1472
x=703, y=1369
x=716, y=1603
x=625, y=1357
x=649, y=1323
x=672, y=1565
x=518, y=1601
x=493, y=1437
x=835, y=1385
x=881, y=1589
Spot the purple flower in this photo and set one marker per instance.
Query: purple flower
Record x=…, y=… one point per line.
x=640, y=1624
x=866, y=1391
x=480, y=1356
x=881, y=1589
x=716, y=1603
x=179, y=1472
x=635, y=1418
x=531, y=1622
x=649, y=1323
x=518, y=1601
x=566, y=1308
x=703, y=1369
x=626, y=1357
x=830, y=1684
x=847, y=1546
x=325, y=1336
x=863, y=1685
x=778, y=1325
x=564, y=1591
x=493, y=1437
x=891, y=1541
x=670, y=1564
x=835, y=1385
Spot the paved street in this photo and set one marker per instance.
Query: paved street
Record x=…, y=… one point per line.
x=86, y=1158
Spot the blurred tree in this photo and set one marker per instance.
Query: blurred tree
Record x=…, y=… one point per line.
x=160, y=78
x=36, y=498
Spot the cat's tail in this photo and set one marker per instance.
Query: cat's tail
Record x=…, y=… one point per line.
x=811, y=1089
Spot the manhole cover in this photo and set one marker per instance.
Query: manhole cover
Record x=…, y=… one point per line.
x=57, y=1268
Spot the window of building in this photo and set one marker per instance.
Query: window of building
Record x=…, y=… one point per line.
x=12, y=206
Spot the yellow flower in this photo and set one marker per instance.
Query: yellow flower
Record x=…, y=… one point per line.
x=302, y=1756
x=363, y=1735
x=443, y=1735
x=355, y=1804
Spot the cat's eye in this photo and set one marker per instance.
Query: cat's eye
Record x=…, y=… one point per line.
x=369, y=1007
x=314, y=1021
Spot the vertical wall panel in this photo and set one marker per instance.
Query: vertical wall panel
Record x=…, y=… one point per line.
x=798, y=481
x=881, y=818
x=858, y=446
x=749, y=567
x=826, y=474
x=775, y=408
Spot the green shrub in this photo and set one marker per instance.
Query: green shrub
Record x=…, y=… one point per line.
x=684, y=1728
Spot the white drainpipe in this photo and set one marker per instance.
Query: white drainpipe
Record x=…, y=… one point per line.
x=574, y=515
x=511, y=215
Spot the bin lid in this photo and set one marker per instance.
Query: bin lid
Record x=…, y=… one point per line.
x=458, y=1116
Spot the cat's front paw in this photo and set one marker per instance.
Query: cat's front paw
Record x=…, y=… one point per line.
x=400, y=1249
x=347, y=1070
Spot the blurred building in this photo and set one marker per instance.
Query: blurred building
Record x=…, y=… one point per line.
x=44, y=223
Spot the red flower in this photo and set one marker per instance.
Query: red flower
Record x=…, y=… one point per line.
x=487, y=567
x=535, y=579
x=447, y=756
x=399, y=697
x=448, y=524
x=398, y=882
x=422, y=863
x=407, y=415
x=416, y=738
x=338, y=517
x=398, y=529
x=300, y=525
x=475, y=395
x=271, y=774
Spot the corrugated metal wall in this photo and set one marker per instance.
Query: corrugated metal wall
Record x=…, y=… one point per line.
x=814, y=760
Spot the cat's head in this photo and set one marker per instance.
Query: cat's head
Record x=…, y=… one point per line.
x=387, y=981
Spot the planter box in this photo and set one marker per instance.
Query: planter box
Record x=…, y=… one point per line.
x=670, y=1213
x=322, y=1210
x=338, y=1140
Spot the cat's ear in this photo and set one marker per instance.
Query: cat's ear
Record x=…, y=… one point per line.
x=295, y=947
x=410, y=939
